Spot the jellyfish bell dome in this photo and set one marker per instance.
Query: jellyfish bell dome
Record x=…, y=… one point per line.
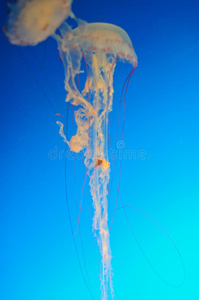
x=33, y=21
x=106, y=38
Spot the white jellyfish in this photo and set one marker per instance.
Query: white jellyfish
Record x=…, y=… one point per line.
x=32, y=21
x=101, y=45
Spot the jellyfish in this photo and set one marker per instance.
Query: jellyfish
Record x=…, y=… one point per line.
x=100, y=46
x=33, y=21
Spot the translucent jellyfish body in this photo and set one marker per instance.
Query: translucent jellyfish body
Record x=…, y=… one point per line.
x=32, y=21
x=100, y=45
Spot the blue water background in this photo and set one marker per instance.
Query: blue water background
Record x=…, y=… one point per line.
x=37, y=253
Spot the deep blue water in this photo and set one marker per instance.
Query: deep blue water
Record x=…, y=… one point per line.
x=37, y=254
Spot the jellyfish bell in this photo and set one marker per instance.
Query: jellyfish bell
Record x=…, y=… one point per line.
x=105, y=38
x=33, y=21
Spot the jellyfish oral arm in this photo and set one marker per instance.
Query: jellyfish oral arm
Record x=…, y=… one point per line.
x=97, y=159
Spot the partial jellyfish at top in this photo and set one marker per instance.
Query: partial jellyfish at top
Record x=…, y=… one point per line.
x=33, y=21
x=100, y=46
